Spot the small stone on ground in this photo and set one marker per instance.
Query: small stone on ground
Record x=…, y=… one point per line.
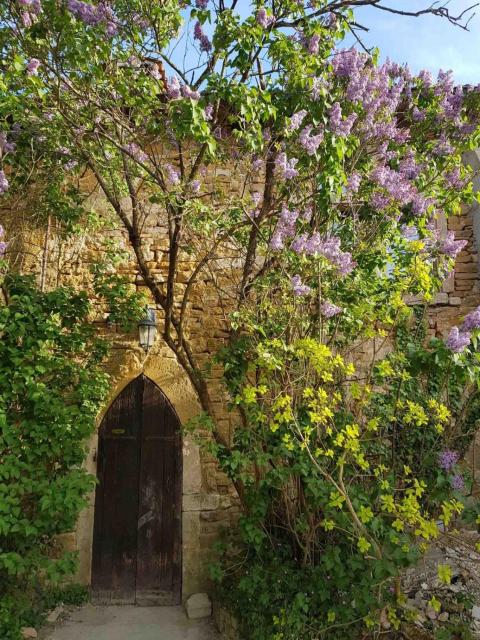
x=198, y=606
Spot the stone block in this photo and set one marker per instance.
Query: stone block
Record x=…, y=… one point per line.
x=198, y=606
x=29, y=632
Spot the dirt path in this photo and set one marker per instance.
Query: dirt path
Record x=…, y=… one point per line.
x=132, y=623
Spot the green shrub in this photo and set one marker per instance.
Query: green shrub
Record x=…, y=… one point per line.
x=51, y=388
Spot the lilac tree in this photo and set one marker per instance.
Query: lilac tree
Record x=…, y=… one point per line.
x=343, y=168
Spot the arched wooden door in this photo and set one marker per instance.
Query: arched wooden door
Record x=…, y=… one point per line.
x=138, y=500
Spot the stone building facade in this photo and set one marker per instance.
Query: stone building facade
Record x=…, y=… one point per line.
x=209, y=502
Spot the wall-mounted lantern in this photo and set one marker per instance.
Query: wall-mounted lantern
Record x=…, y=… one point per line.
x=147, y=330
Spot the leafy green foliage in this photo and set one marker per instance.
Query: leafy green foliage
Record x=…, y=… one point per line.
x=51, y=388
x=342, y=467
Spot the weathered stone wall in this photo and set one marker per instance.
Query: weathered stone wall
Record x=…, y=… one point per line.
x=461, y=292
x=210, y=503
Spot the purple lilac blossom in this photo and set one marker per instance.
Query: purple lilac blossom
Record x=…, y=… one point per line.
x=338, y=125
x=284, y=229
x=285, y=166
x=3, y=244
x=457, y=482
x=310, y=143
x=187, y=92
x=448, y=459
x=32, y=67
x=443, y=147
x=93, y=15
x=454, y=179
x=3, y=182
x=313, y=44
x=408, y=167
x=209, y=112
x=342, y=260
x=257, y=164
x=134, y=150
x=263, y=19
x=328, y=309
x=155, y=72
x=174, y=89
x=472, y=320
x=457, y=340
x=299, y=289
x=195, y=186
x=418, y=115
x=348, y=61
x=296, y=120
x=426, y=78
x=353, y=182
x=451, y=247
x=396, y=185
x=201, y=4
x=26, y=19
x=172, y=174
x=380, y=201
x=5, y=146
x=198, y=34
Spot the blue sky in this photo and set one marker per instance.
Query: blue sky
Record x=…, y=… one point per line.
x=426, y=42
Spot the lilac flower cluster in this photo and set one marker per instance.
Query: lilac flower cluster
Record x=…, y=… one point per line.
x=342, y=260
x=208, y=112
x=286, y=167
x=284, y=229
x=201, y=4
x=155, y=72
x=454, y=179
x=398, y=187
x=263, y=19
x=328, y=309
x=443, y=147
x=188, y=92
x=471, y=321
x=176, y=90
x=296, y=120
x=451, y=247
x=3, y=182
x=195, y=186
x=339, y=125
x=457, y=482
x=172, y=174
x=310, y=143
x=136, y=152
x=353, y=182
x=94, y=15
x=448, y=459
x=314, y=44
x=348, y=62
x=3, y=244
x=457, y=340
x=330, y=249
x=32, y=67
x=5, y=145
x=32, y=9
x=299, y=289
x=408, y=167
x=199, y=34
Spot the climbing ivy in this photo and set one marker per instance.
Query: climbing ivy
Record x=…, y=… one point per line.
x=51, y=388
